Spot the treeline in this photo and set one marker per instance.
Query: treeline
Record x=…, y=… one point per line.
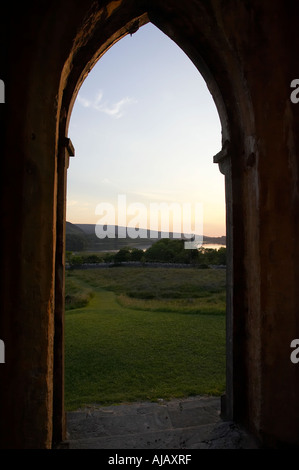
x=90, y=242
x=83, y=238
x=162, y=251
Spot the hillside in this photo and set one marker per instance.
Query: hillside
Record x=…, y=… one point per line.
x=82, y=237
x=72, y=229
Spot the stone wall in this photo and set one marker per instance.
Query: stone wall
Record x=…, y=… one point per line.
x=246, y=52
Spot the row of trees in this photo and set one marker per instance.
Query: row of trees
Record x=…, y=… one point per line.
x=162, y=251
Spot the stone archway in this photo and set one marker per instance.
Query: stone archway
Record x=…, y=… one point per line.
x=174, y=27
x=238, y=48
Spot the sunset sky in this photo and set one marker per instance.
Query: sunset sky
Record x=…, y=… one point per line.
x=145, y=126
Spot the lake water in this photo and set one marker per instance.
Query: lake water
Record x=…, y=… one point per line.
x=213, y=246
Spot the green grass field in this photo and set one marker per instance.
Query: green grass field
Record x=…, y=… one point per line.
x=143, y=334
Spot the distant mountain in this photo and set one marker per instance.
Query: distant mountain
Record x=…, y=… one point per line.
x=82, y=237
x=116, y=229
x=75, y=238
x=87, y=228
x=74, y=229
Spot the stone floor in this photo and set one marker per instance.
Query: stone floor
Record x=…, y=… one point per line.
x=192, y=423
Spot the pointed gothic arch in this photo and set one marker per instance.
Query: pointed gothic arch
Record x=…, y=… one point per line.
x=238, y=47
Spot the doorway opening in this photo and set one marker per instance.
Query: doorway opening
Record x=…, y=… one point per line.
x=149, y=140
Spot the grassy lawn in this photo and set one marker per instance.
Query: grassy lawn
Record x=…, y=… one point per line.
x=142, y=334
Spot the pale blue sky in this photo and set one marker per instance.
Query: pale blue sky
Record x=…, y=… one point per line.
x=144, y=125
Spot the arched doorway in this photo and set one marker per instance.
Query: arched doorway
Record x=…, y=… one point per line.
x=208, y=56
x=227, y=42
x=163, y=144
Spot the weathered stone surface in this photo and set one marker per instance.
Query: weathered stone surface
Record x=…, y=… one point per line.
x=246, y=52
x=191, y=423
